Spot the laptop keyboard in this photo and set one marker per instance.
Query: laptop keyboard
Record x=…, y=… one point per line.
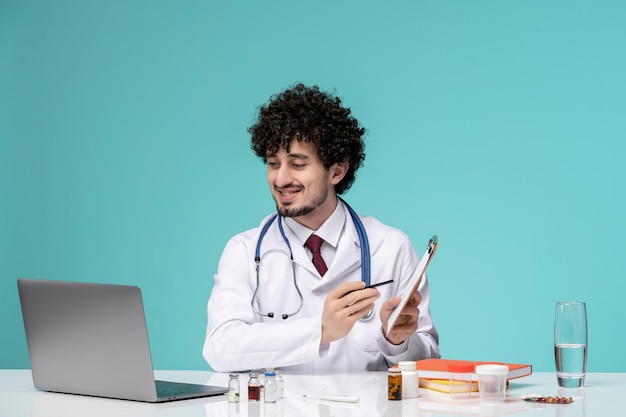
x=170, y=392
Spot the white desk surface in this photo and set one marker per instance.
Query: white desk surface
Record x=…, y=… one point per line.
x=602, y=396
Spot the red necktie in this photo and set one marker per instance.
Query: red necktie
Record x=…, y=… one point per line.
x=314, y=243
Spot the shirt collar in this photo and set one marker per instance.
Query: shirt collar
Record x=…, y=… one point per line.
x=330, y=230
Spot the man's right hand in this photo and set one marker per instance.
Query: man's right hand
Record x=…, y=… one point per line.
x=343, y=307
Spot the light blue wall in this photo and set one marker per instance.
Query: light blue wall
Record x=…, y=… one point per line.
x=498, y=125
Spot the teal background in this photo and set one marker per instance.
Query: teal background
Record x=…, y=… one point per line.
x=498, y=125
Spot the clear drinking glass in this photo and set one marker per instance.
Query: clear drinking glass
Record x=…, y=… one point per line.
x=570, y=343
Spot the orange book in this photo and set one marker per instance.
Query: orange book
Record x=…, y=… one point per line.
x=438, y=368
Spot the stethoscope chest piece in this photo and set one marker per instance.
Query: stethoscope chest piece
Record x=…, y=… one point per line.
x=368, y=316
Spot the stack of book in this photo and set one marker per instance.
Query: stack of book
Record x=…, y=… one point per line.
x=434, y=375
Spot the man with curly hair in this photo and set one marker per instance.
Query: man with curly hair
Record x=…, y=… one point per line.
x=281, y=301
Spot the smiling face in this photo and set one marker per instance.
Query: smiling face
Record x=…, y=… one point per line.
x=301, y=186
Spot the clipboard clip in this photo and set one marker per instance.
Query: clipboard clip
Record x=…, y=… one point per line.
x=432, y=244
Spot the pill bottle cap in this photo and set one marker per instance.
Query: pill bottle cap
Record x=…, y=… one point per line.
x=407, y=365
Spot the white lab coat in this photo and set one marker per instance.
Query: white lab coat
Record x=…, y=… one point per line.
x=238, y=339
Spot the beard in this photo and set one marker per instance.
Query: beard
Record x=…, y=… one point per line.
x=303, y=210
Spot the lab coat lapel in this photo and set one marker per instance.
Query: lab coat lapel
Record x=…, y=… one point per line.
x=348, y=256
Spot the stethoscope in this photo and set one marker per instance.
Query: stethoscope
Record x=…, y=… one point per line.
x=365, y=260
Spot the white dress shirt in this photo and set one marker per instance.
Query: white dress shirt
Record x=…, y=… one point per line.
x=330, y=231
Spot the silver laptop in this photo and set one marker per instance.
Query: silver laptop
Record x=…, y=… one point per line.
x=91, y=339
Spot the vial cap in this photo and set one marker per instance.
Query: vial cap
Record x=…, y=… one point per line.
x=270, y=374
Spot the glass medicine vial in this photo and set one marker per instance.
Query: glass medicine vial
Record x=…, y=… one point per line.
x=270, y=387
x=254, y=387
x=280, y=386
x=233, y=388
x=394, y=384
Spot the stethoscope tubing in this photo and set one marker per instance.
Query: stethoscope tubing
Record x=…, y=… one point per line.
x=365, y=259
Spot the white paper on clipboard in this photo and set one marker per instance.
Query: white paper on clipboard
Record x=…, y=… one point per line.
x=417, y=278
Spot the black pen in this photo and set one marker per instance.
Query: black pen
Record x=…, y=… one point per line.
x=378, y=284
x=382, y=283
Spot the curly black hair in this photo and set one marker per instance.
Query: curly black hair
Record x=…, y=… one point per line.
x=308, y=114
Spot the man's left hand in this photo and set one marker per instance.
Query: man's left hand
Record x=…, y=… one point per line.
x=407, y=321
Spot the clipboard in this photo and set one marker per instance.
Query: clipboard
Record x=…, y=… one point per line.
x=433, y=244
